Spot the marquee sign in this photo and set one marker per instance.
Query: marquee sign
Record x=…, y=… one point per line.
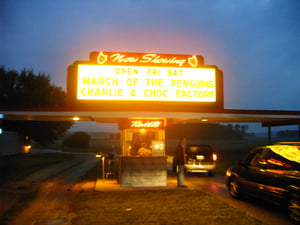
x=139, y=78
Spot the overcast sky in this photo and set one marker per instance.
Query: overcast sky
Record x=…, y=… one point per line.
x=256, y=43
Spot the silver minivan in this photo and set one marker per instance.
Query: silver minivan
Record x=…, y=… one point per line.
x=200, y=159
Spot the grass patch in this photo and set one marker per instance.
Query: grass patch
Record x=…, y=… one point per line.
x=156, y=207
x=16, y=167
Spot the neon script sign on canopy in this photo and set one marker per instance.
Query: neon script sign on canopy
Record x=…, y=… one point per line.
x=145, y=124
x=142, y=124
x=146, y=77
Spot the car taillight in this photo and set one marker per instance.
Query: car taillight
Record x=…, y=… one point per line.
x=214, y=157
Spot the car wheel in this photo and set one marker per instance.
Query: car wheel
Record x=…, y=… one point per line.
x=294, y=209
x=233, y=188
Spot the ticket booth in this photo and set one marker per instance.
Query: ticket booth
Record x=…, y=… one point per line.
x=143, y=162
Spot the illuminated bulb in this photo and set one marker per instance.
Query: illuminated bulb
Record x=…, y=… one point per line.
x=76, y=118
x=142, y=131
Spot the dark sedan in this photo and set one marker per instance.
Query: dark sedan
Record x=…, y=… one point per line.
x=270, y=173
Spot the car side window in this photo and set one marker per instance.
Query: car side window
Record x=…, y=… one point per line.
x=252, y=156
x=258, y=156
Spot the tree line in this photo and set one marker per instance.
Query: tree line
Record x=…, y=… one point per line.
x=206, y=131
x=27, y=89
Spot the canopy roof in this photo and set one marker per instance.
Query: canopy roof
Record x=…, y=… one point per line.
x=266, y=117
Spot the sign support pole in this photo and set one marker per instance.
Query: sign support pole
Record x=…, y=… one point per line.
x=103, y=168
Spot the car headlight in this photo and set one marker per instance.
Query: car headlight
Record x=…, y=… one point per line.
x=228, y=172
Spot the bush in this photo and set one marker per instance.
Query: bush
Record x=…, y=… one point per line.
x=77, y=140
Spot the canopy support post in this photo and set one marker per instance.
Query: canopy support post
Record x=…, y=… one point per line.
x=269, y=135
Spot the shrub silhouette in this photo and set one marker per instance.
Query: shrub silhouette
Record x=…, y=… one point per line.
x=77, y=140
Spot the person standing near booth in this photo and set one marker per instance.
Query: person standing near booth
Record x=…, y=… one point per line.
x=180, y=159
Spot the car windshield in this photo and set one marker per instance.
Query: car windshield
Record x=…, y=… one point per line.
x=288, y=143
x=198, y=150
x=292, y=153
x=281, y=157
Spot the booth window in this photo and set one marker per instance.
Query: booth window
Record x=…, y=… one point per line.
x=143, y=142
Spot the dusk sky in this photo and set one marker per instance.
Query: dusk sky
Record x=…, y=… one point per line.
x=256, y=43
